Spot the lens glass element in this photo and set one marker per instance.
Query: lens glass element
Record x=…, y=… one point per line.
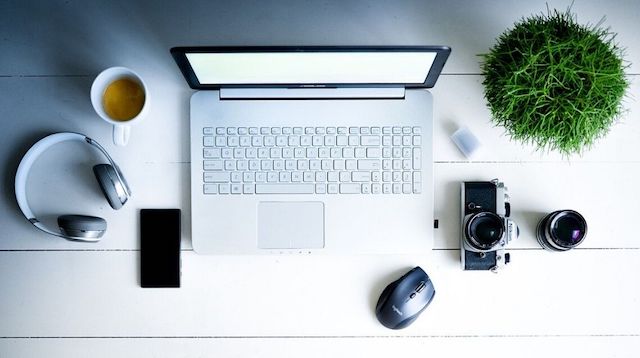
x=485, y=230
x=569, y=229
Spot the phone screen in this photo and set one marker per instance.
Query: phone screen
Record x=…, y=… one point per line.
x=160, y=247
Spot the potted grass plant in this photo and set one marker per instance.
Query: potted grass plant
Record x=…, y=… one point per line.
x=554, y=83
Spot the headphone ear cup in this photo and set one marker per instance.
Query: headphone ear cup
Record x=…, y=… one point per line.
x=82, y=227
x=110, y=184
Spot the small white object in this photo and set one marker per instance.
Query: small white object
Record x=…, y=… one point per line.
x=466, y=141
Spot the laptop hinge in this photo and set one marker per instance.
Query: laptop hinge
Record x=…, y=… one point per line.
x=312, y=93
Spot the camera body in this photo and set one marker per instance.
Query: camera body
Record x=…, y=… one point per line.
x=486, y=227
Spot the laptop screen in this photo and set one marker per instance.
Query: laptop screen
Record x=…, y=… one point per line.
x=311, y=67
x=220, y=67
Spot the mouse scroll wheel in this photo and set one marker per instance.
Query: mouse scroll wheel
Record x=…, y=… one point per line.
x=420, y=286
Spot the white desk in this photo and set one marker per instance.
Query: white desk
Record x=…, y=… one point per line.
x=62, y=299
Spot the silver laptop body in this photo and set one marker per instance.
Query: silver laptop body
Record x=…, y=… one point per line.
x=309, y=167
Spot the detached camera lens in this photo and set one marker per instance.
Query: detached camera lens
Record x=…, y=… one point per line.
x=561, y=230
x=484, y=230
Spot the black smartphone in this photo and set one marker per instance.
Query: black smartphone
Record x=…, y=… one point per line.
x=160, y=247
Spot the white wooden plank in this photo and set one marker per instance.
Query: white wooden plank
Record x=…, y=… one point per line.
x=139, y=33
x=61, y=104
x=459, y=101
x=524, y=347
x=70, y=188
x=603, y=192
x=96, y=294
x=33, y=107
x=535, y=189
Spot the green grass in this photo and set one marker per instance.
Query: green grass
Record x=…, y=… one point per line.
x=555, y=83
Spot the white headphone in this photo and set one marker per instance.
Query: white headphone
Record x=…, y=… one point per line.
x=74, y=227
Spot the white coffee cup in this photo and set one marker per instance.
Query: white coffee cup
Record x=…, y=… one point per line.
x=121, y=128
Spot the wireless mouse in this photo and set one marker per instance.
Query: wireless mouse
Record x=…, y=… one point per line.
x=402, y=301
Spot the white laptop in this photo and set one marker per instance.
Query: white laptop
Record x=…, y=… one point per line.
x=311, y=149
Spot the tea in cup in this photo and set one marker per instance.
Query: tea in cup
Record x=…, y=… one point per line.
x=119, y=96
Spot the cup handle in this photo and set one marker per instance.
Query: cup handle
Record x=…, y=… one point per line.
x=121, y=135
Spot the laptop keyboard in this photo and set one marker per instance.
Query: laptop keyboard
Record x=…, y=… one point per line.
x=312, y=160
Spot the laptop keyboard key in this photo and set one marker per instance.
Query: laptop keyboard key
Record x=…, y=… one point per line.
x=221, y=141
x=236, y=188
x=369, y=140
x=207, y=141
x=360, y=176
x=211, y=152
x=350, y=188
x=369, y=164
x=213, y=165
x=417, y=159
x=224, y=189
x=217, y=177
x=210, y=189
x=285, y=188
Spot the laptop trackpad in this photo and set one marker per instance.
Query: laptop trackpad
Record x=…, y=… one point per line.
x=290, y=225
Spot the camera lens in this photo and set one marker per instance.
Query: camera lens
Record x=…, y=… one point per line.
x=484, y=230
x=561, y=230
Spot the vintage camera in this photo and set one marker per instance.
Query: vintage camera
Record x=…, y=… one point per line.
x=486, y=227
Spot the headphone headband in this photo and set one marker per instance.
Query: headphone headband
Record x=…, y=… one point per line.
x=33, y=154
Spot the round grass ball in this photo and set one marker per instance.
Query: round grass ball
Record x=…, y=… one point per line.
x=554, y=83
